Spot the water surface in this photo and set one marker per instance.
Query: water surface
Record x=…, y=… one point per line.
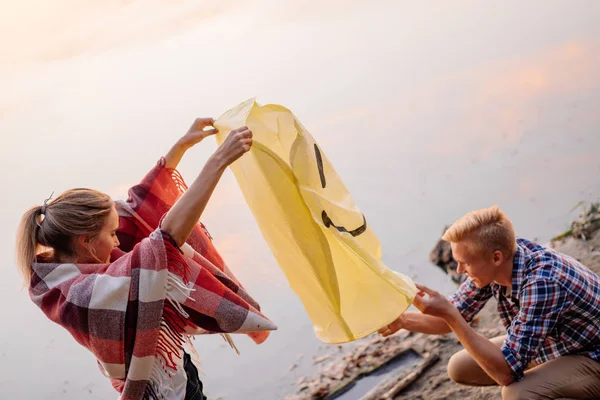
x=426, y=110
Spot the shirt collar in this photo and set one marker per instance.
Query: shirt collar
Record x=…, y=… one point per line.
x=518, y=270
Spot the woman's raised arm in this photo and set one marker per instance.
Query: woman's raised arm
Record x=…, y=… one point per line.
x=184, y=215
x=194, y=135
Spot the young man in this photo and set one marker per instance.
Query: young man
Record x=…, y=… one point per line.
x=549, y=303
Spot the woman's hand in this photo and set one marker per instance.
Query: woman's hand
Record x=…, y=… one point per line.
x=194, y=135
x=198, y=132
x=183, y=216
x=237, y=143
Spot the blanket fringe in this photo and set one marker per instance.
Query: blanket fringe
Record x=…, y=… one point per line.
x=158, y=387
x=174, y=286
x=227, y=337
x=177, y=265
x=171, y=337
x=179, y=182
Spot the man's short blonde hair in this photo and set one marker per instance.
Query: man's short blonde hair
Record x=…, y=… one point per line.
x=488, y=229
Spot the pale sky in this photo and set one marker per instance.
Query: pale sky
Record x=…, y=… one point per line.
x=55, y=30
x=427, y=109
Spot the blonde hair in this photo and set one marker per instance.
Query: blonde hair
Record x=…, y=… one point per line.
x=73, y=213
x=488, y=229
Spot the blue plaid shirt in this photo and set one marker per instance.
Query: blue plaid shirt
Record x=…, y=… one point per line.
x=552, y=309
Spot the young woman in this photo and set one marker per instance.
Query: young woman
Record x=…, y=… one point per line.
x=131, y=281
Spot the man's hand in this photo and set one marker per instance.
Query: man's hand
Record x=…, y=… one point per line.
x=431, y=320
x=198, y=132
x=394, y=327
x=433, y=303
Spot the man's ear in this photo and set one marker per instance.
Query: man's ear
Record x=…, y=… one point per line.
x=497, y=257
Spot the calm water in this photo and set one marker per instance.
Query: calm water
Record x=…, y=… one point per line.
x=427, y=111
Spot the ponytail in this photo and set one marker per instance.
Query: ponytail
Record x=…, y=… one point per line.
x=27, y=244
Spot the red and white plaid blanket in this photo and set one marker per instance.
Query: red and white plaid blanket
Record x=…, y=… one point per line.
x=135, y=313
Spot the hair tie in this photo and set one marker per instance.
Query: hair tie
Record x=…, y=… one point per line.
x=45, y=205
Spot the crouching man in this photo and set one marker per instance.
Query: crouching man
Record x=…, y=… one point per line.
x=548, y=302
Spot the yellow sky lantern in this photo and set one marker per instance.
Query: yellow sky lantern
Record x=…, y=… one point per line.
x=320, y=239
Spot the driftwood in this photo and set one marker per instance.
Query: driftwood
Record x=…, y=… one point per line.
x=401, y=379
x=388, y=383
x=344, y=369
x=409, y=379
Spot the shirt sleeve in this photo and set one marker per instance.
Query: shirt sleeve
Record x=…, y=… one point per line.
x=541, y=304
x=469, y=299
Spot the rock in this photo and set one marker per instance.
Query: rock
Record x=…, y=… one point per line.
x=441, y=255
x=586, y=225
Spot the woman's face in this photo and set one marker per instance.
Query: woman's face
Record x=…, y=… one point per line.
x=106, y=241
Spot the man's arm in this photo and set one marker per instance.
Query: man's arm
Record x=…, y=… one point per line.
x=468, y=300
x=417, y=322
x=484, y=352
x=543, y=301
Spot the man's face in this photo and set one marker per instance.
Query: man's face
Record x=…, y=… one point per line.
x=480, y=266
